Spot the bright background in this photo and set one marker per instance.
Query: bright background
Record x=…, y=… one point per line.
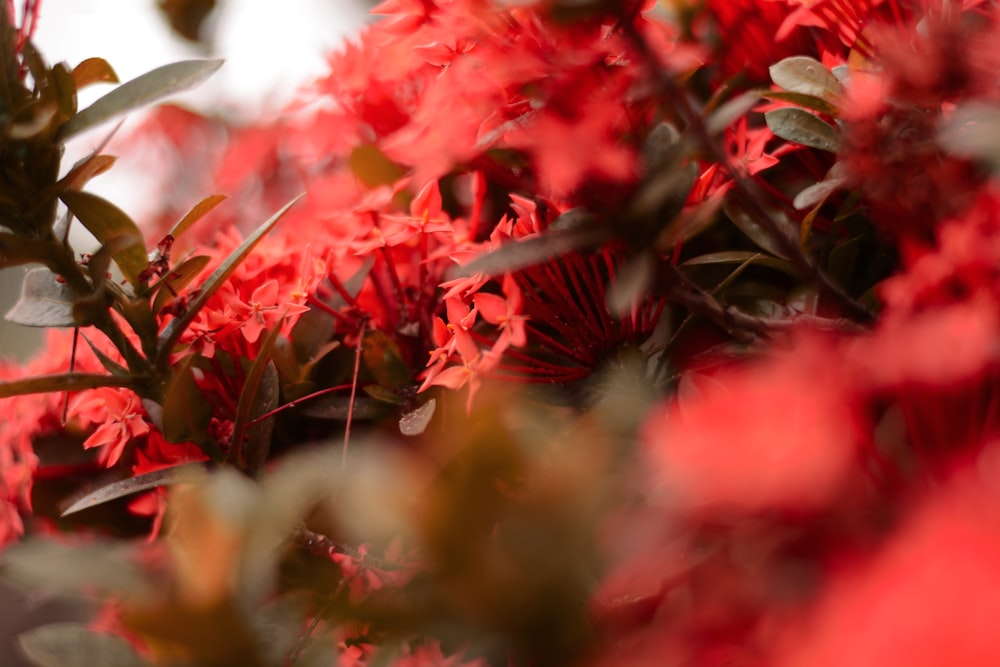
x=271, y=49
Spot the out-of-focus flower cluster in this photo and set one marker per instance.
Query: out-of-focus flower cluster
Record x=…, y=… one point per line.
x=717, y=285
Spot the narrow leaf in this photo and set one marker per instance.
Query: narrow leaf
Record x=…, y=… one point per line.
x=177, y=279
x=200, y=210
x=139, y=92
x=338, y=407
x=802, y=74
x=739, y=257
x=109, y=364
x=94, y=70
x=259, y=396
x=105, y=220
x=172, y=332
x=126, y=487
x=731, y=111
x=84, y=170
x=44, y=301
x=45, y=384
x=185, y=413
x=76, y=645
x=515, y=256
x=756, y=233
x=801, y=127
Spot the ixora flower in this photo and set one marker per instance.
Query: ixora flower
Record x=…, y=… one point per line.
x=120, y=417
x=927, y=598
x=779, y=436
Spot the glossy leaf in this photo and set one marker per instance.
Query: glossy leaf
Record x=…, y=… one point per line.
x=44, y=301
x=805, y=75
x=76, y=645
x=756, y=233
x=804, y=101
x=139, y=92
x=200, y=210
x=172, y=332
x=384, y=394
x=127, y=487
x=338, y=407
x=416, y=421
x=105, y=221
x=801, y=127
x=94, y=70
x=177, y=279
x=45, y=384
x=816, y=194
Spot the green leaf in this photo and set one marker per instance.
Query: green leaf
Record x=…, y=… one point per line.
x=177, y=279
x=94, y=70
x=740, y=257
x=16, y=250
x=76, y=645
x=805, y=75
x=338, y=407
x=172, y=332
x=126, y=487
x=45, y=566
x=804, y=101
x=139, y=92
x=801, y=127
x=370, y=166
x=383, y=394
x=109, y=364
x=259, y=396
x=731, y=111
x=105, y=221
x=756, y=233
x=85, y=169
x=45, y=384
x=44, y=301
x=517, y=255
x=186, y=413
x=816, y=194
x=200, y=210
x=416, y=421
x=384, y=360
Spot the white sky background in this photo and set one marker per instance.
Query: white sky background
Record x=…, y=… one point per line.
x=271, y=49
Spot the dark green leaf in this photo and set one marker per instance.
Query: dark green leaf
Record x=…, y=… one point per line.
x=384, y=360
x=186, y=413
x=756, y=233
x=126, y=487
x=100, y=261
x=259, y=396
x=45, y=384
x=805, y=75
x=93, y=70
x=173, y=331
x=338, y=407
x=200, y=210
x=139, y=92
x=105, y=221
x=517, y=255
x=76, y=645
x=109, y=364
x=416, y=421
x=801, y=127
x=177, y=279
x=804, y=101
x=66, y=89
x=731, y=111
x=739, y=257
x=44, y=302
x=384, y=394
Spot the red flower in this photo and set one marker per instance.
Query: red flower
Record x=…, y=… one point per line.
x=120, y=416
x=778, y=436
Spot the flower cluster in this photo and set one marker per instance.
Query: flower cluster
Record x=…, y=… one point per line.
x=603, y=334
